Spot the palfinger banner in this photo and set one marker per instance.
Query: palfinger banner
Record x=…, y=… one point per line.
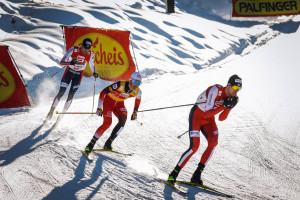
x=113, y=61
x=265, y=8
x=12, y=90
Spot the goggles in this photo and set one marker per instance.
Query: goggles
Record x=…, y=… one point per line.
x=236, y=88
x=136, y=82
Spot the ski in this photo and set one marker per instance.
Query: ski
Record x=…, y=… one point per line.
x=87, y=156
x=58, y=120
x=174, y=187
x=45, y=122
x=205, y=188
x=112, y=151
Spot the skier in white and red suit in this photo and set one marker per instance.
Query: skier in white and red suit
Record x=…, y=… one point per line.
x=76, y=59
x=111, y=100
x=212, y=101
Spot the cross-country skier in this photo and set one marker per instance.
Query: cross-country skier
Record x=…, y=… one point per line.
x=212, y=101
x=111, y=100
x=76, y=59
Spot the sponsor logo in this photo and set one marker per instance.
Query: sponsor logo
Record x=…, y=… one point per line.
x=194, y=134
x=80, y=59
x=238, y=81
x=110, y=58
x=266, y=7
x=220, y=93
x=209, y=100
x=115, y=86
x=124, y=95
x=7, y=83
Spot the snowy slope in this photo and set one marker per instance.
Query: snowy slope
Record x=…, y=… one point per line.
x=179, y=56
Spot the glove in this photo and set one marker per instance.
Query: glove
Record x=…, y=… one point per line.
x=99, y=112
x=95, y=75
x=133, y=116
x=73, y=61
x=230, y=102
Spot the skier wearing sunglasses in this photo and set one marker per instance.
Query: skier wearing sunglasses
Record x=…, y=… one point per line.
x=111, y=100
x=213, y=100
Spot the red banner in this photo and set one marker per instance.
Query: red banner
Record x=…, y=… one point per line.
x=113, y=61
x=265, y=8
x=12, y=90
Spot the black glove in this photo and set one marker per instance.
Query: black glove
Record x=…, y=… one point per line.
x=95, y=75
x=73, y=61
x=133, y=116
x=230, y=102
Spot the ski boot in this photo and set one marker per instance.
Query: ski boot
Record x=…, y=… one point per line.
x=107, y=145
x=196, y=178
x=172, y=177
x=88, y=149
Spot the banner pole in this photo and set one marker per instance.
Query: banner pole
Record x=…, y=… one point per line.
x=133, y=52
x=14, y=62
x=63, y=33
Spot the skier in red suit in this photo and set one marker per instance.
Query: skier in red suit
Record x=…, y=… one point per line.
x=212, y=101
x=76, y=59
x=111, y=100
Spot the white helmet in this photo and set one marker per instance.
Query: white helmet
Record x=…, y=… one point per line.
x=136, y=76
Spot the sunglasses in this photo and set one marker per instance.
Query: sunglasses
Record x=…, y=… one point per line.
x=236, y=88
x=136, y=82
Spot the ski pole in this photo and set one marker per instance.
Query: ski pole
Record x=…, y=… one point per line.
x=171, y=107
x=94, y=94
x=179, y=136
x=74, y=113
x=57, y=72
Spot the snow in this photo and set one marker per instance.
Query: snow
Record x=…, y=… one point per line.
x=179, y=56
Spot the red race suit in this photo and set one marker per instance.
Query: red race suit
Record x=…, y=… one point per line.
x=209, y=103
x=111, y=100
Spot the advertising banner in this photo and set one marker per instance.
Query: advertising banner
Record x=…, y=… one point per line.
x=113, y=61
x=265, y=8
x=12, y=90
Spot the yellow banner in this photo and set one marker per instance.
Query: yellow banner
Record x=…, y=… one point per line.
x=265, y=7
